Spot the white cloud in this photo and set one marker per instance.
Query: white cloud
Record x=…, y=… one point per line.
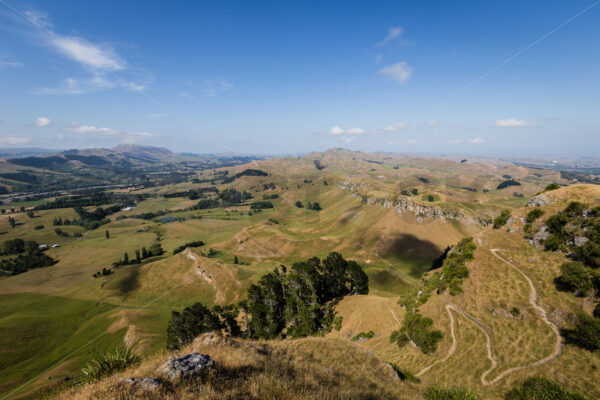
x=126, y=136
x=87, y=54
x=433, y=123
x=399, y=72
x=355, y=131
x=512, y=123
x=393, y=34
x=347, y=139
x=476, y=140
x=14, y=140
x=42, y=121
x=338, y=131
x=90, y=129
x=378, y=58
x=99, y=62
x=411, y=141
x=454, y=141
x=396, y=127
x=38, y=19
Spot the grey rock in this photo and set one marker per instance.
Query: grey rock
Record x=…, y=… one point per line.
x=578, y=241
x=538, y=201
x=187, y=366
x=128, y=381
x=149, y=384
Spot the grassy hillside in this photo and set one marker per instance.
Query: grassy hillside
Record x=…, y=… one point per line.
x=496, y=309
x=394, y=246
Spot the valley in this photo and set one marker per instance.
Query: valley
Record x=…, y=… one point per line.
x=213, y=228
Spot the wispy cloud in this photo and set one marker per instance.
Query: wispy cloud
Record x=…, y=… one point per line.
x=399, y=72
x=42, y=121
x=512, y=123
x=433, y=123
x=90, y=129
x=14, y=140
x=396, y=127
x=393, y=34
x=103, y=67
x=126, y=136
x=214, y=87
x=476, y=140
x=454, y=141
x=4, y=63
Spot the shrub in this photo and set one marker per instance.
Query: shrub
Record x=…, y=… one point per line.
x=501, y=219
x=534, y=214
x=417, y=329
x=38, y=227
x=405, y=375
x=586, y=333
x=449, y=393
x=109, y=363
x=575, y=278
x=540, y=388
x=363, y=335
x=299, y=204
x=552, y=186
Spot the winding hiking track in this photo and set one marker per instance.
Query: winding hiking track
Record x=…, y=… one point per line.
x=486, y=331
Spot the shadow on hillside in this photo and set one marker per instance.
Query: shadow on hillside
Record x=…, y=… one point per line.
x=348, y=215
x=130, y=282
x=404, y=246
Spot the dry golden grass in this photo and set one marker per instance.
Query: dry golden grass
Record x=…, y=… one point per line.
x=491, y=291
x=313, y=368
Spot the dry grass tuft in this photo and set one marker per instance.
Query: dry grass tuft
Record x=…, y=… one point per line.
x=311, y=368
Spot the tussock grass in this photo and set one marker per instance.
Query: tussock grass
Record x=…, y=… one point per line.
x=312, y=368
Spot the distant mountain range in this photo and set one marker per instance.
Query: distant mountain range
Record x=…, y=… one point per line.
x=31, y=170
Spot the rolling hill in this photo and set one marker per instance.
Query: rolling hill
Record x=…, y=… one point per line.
x=393, y=215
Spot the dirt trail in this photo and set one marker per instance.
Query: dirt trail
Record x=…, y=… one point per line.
x=486, y=331
x=452, y=348
x=542, y=313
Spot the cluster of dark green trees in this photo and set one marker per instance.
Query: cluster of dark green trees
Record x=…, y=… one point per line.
x=507, y=183
x=450, y=276
x=59, y=221
x=28, y=256
x=261, y=205
x=311, y=206
x=154, y=250
x=232, y=196
x=197, y=243
x=284, y=303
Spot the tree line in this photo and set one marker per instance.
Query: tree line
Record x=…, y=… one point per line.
x=284, y=303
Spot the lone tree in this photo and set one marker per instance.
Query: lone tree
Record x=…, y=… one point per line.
x=30, y=214
x=107, y=234
x=12, y=222
x=235, y=260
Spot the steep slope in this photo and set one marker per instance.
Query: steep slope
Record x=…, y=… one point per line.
x=505, y=326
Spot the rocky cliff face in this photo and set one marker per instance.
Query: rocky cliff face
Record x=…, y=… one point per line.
x=404, y=204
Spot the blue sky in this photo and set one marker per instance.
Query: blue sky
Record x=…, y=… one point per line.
x=291, y=77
